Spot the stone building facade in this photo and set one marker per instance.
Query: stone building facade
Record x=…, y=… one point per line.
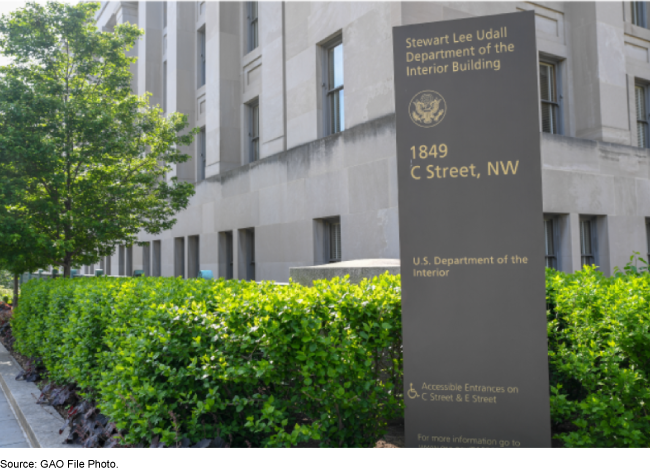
x=295, y=164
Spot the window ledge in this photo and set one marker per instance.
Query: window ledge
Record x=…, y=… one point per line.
x=249, y=57
x=637, y=31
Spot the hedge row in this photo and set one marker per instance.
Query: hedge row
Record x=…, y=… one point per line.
x=277, y=365
x=266, y=364
x=599, y=357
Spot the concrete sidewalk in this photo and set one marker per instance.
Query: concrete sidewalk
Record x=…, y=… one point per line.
x=23, y=423
x=11, y=433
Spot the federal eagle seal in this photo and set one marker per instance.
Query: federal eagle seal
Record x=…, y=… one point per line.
x=427, y=109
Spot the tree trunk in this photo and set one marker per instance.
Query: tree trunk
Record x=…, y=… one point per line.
x=15, y=301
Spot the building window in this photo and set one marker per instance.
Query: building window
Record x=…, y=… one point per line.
x=107, y=265
x=333, y=83
x=164, y=85
x=156, y=267
x=179, y=257
x=164, y=14
x=121, y=255
x=549, y=96
x=253, y=26
x=247, y=254
x=201, y=8
x=226, y=255
x=327, y=240
x=334, y=237
x=201, y=64
x=647, y=235
x=587, y=241
x=193, y=256
x=254, y=131
x=639, y=14
x=550, y=242
x=641, y=101
x=146, y=259
x=202, y=158
x=129, y=261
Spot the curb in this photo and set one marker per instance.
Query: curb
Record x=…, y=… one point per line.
x=40, y=423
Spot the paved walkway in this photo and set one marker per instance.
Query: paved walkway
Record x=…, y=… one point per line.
x=11, y=434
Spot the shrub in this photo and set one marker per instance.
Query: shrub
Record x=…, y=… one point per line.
x=272, y=365
x=599, y=357
x=278, y=365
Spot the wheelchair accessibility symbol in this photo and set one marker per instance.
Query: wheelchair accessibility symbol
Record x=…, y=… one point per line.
x=412, y=393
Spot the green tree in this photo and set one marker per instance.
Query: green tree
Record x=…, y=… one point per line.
x=21, y=250
x=84, y=159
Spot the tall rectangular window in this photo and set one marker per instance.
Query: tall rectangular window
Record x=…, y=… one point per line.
x=202, y=158
x=246, y=262
x=550, y=242
x=253, y=26
x=334, y=97
x=549, y=97
x=587, y=241
x=640, y=99
x=164, y=14
x=334, y=234
x=647, y=235
x=146, y=259
x=639, y=13
x=121, y=266
x=164, y=84
x=254, y=130
x=226, y=255
x=201, y=62
x=156, y=267
x=193, y=256
x=129, y=261
x=107, y=265
x=179, y=257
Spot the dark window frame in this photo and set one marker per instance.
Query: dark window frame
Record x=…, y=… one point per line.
x=588, y=243
x=164, y=87
x=332, y=240
x=639, y=14
x=201, y=48
x=201, y=143
x=554, y=96
x=333, y=95
x=252, y=14
x=647, y=236
x=156, y=257
x=642, y=122
x=253, y=108
x=551, y=241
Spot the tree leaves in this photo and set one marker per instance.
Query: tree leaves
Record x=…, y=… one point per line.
x=83, y=160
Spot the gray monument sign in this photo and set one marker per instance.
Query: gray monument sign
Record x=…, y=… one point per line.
x=471, y=234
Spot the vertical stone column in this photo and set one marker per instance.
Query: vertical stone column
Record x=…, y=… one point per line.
x=272, y=99
x=223, y=87
x=597, y=48
x=570, y=243
x=128, y=13
x=181, y=74
x=150, y=51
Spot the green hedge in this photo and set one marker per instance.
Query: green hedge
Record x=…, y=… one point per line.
x=270, y=365
x=599, y=357
x=277, y=365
